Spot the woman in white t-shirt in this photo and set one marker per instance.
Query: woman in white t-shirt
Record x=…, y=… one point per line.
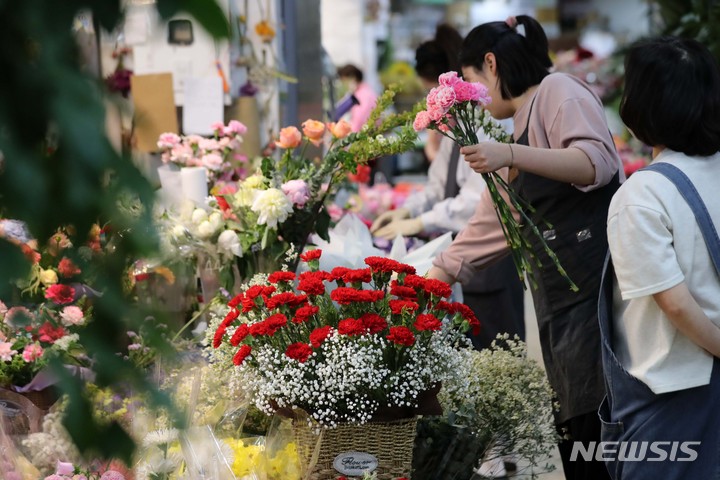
x=662, y=334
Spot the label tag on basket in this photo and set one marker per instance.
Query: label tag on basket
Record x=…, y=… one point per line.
x=355, y=463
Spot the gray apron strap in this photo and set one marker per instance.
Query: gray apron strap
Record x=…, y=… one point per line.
x=692, y=197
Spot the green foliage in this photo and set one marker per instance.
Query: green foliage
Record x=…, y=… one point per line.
x=59, y=168
x=698, y=19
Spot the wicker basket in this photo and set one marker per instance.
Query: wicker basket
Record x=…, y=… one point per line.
x=391, y=443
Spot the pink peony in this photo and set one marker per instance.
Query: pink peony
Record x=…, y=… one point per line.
x=235, y=128
x=72, y=315
x=64, y=468
x=422, y=121
x=6, y=351
x=296, y=191
x=449, y=79
x=168, y=140
x=290, y=137
x=31, y=353
x=212, y=161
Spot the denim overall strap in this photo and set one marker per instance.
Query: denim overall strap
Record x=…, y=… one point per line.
x=692, y=197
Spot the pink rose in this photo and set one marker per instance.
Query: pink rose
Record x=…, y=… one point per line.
x=446, y=98
x=64, y=468
x=235, y=128
x=212, y=161
x=296, y=191
x=448, y=79
x=72, y=315
x=422, y=121
x=168, y=140
x=32, y=352
x=340, y=129
x=290, y=137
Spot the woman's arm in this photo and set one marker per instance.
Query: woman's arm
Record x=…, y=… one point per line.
x=687, y=316
x=569, y=165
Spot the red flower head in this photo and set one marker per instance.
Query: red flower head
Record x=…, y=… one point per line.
x=438, y=287
x=373, y=322
x=338, y=273
x=351, y=327
x=236, y=300
x=268, y=326
x=242, y=331
x=248, y=304
x=318, y=336
x=222, y=203
x=414, y=281
x=427, y=322
x=312, y=283
x=299, y=351
x=381, y=264
x=304, y=313
x=254, y=291
x=285, y=298
x=67, y=268
x=242, y=354
x=276, y=277
x=48, y=334
x=311, y=255
x=219, y=333
x=402, y=291
x=401, y=336
x=347, y=295
x=360, y=275
x=468, y=315
x=60, y=294
x=398, y=306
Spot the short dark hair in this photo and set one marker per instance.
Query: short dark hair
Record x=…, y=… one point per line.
x=351, y=71
x=439, y=55
x=522, y=60
x=672, y=95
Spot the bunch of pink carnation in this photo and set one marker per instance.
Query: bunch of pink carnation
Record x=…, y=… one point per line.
x=450, y=92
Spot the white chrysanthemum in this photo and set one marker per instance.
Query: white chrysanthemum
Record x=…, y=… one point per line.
x=244, y=197
x=160, y=437
x=272, y=207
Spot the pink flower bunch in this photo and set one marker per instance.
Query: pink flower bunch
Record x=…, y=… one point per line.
x=450, y=92
x=214, y=153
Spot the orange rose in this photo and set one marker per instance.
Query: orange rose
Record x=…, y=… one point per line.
x=340, y=129
x=314, y=130
x=290, y=137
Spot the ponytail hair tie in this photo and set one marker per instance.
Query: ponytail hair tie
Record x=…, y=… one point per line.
x=511, y=22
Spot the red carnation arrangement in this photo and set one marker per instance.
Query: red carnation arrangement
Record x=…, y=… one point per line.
x=306, y=327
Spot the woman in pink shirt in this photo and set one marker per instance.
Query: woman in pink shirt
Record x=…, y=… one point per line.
x=564, y=164
x=366, y=97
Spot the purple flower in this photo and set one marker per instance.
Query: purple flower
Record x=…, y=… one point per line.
x=119, y=81
x=248, y=90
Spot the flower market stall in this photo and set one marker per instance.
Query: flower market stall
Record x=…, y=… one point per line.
x=203, y=299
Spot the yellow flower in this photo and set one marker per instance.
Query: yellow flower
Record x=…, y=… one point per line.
x=48, y=277
x=256, y=181
x=265, y=31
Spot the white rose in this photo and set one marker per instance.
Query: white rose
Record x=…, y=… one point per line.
x=229, y=242
x=198, y=216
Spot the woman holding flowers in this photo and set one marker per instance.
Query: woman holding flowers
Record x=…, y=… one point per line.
x=564, y=164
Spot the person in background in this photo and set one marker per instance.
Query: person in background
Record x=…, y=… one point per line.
x=352, y=77
x=662, y=338
x=565, y=165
